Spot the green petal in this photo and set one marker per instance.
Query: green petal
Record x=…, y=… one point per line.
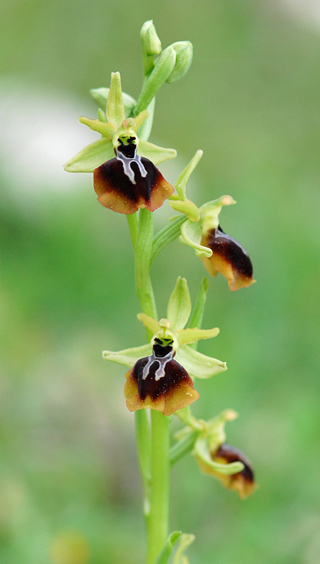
x=165, y=553
x=149, y=323
x=100, y=95
x=201, y=450
x=128, y=357
x=106, y=129
x=140, y=119
x=91, y=157
x=115, y=108
x=187, y=336
x=154, y=153
x=187, y=207
x=179, y=305
x=191, y=235
x=199, y=365
x=184, y=542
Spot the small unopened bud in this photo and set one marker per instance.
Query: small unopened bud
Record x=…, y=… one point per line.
x=150, y=40
x=184, y=54
x=163, y=68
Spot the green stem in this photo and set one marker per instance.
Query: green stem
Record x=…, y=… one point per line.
x=154, y=466
x=160, y=485
x=133, y=224
x=143, y=249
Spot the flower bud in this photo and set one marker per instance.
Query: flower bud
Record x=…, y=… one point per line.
x=184, y=54
x=151, y=43
x=163, y=68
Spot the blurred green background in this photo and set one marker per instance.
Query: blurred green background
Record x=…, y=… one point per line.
x=69, y=486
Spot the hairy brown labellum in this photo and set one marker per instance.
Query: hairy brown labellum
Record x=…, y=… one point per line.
x=129, y=182
x=229, y=258
x=242, y=482
x=159, y=382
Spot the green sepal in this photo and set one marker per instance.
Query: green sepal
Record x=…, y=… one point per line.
x=179, y=305
x=128, y=357
x=154, y=153
x=162, y=70
x=145, y=129
x=100, y=96
x=187, y=336
x=165, y=553
x=115, y=109
x=184, y=542
x=91, y=157
x=191, y=234
x=198, y=311
x=184, y=54
x=199, y=365
x=187, y=207
x=101, y=115
x=181, y=183
x=106, y=129
x=201, y=450
x=149, y=322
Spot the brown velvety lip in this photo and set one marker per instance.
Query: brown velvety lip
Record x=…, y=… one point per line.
x=116, y=191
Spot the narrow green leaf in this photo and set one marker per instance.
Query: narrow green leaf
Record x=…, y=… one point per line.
x=154, y=153
x=199, y=365
x=191, y=335
x=165, y=553
x=91, y=157
x=201, y=450
x=179, y=305
x=182, y=447
x=127, y=357
x=167, y=235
